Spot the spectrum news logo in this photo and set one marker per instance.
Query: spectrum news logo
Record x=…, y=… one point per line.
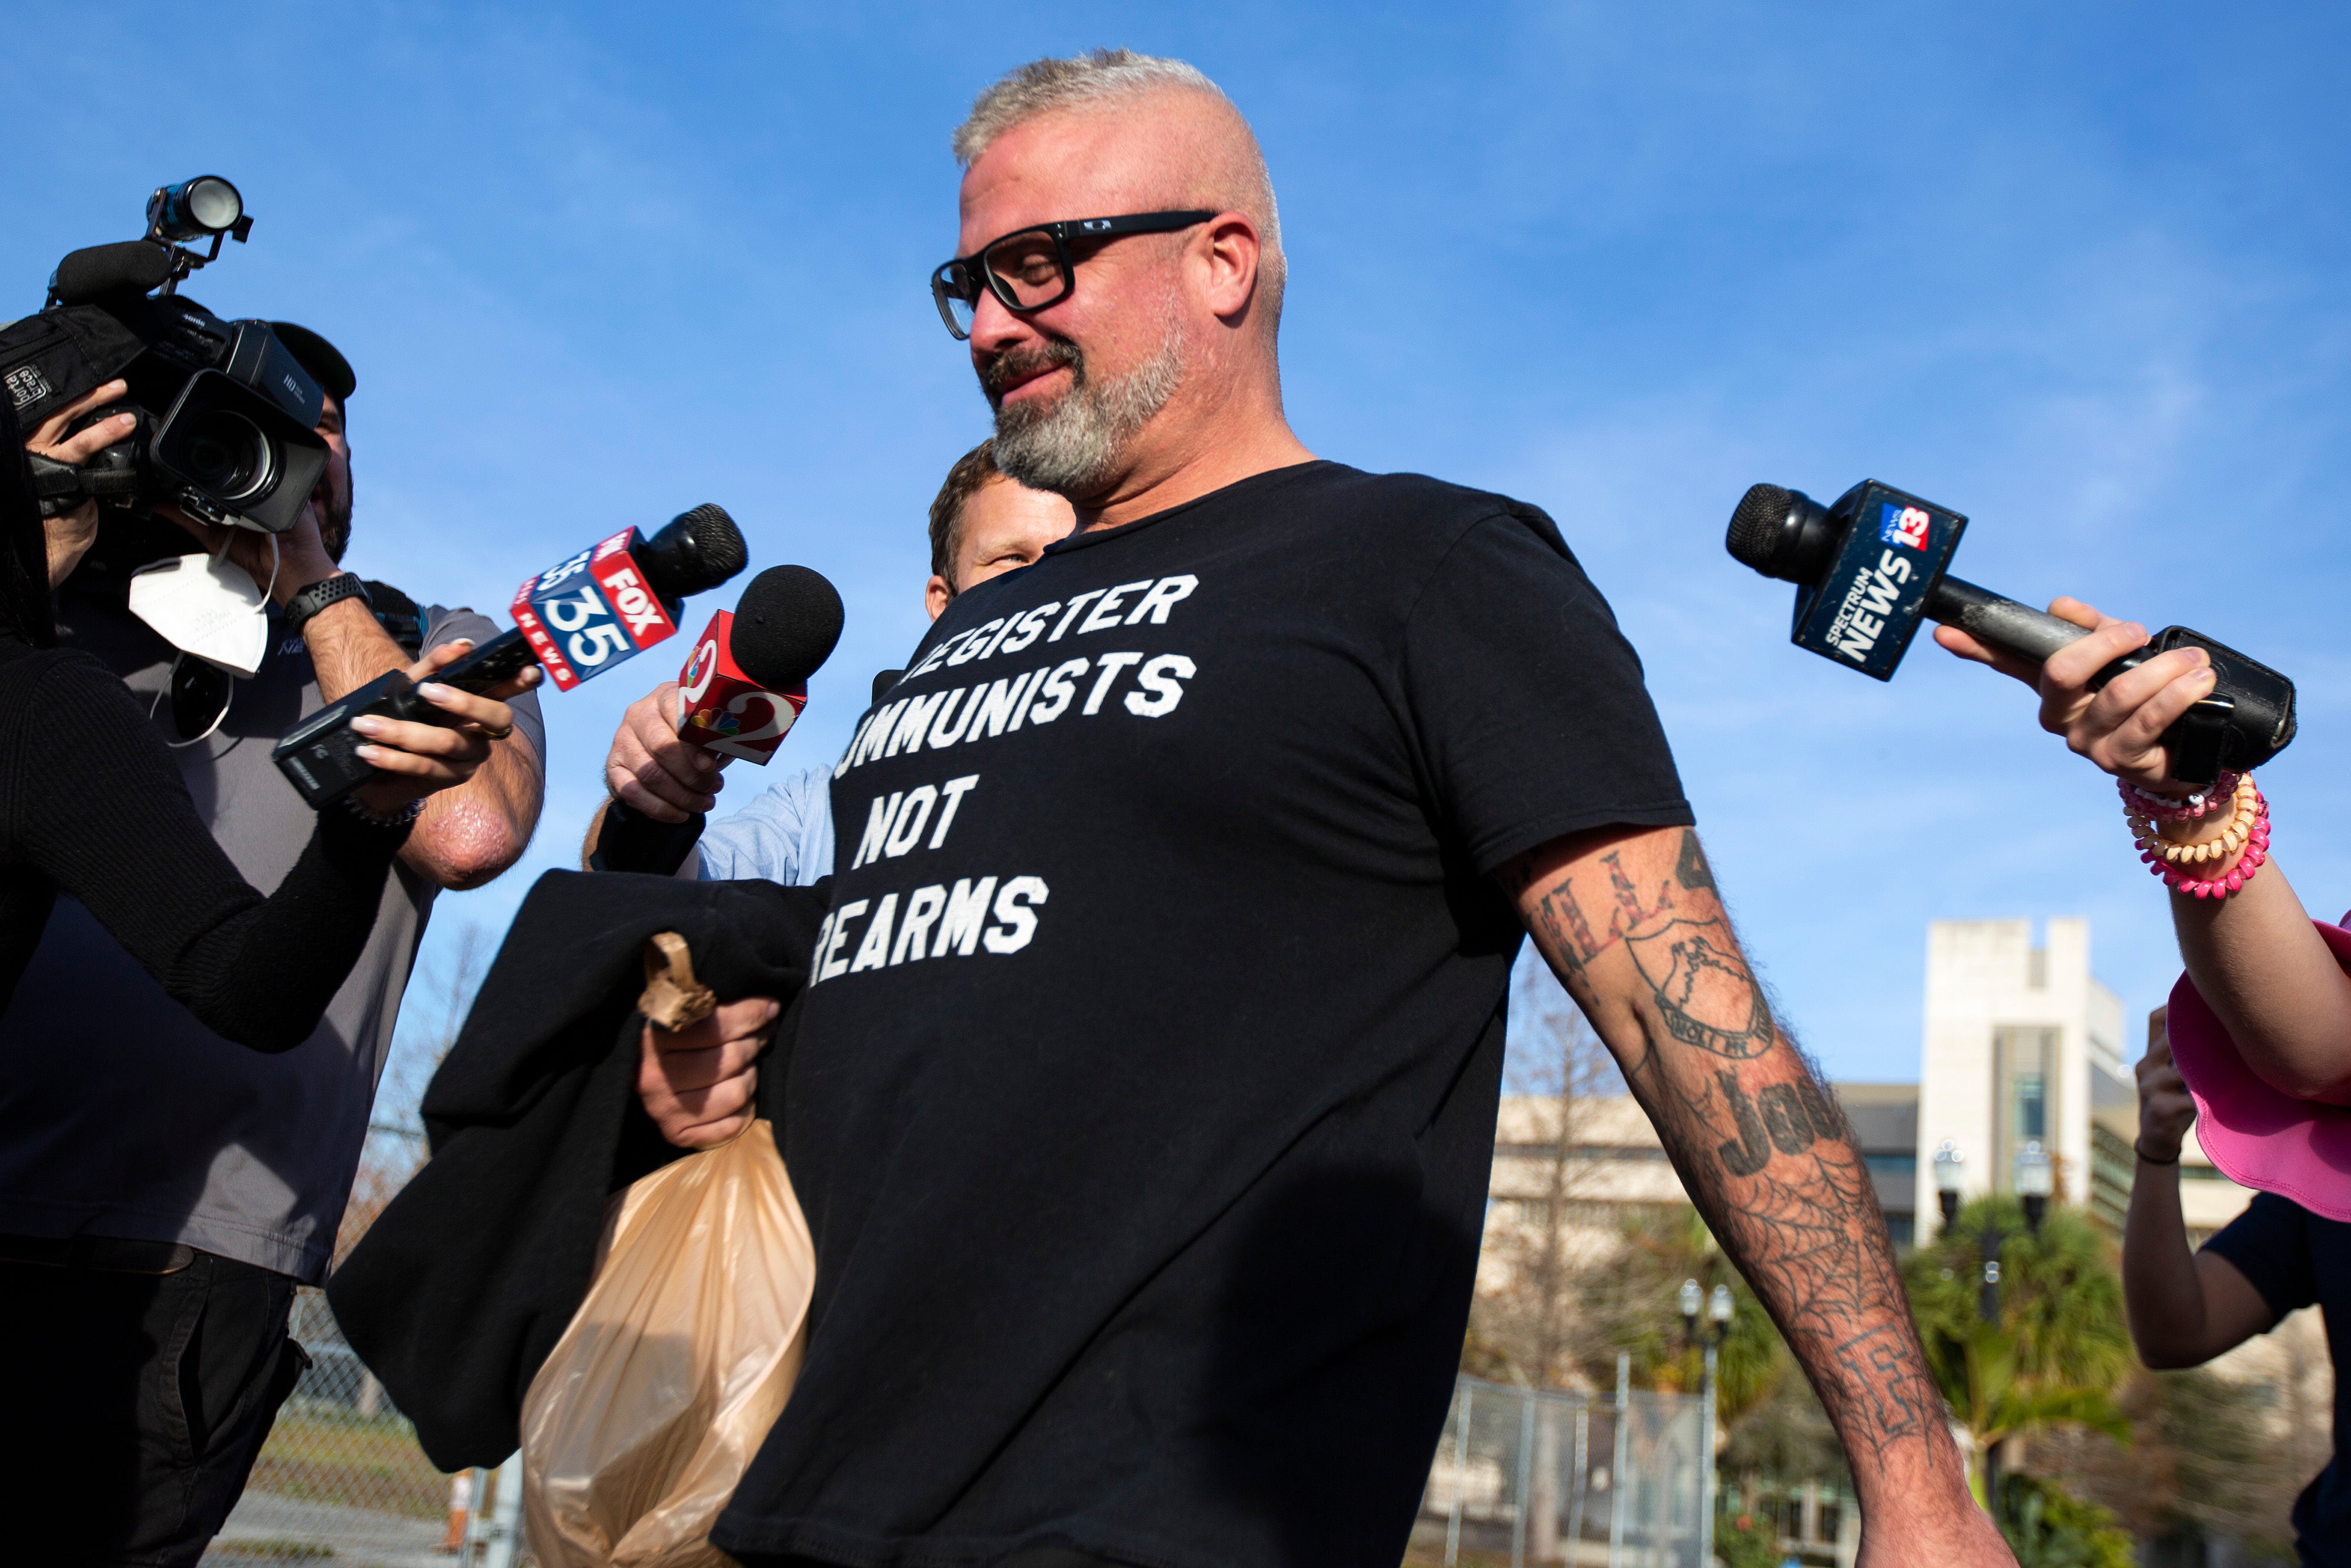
x=1905, y=526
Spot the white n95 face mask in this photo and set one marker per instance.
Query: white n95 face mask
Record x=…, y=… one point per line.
x=206, y=606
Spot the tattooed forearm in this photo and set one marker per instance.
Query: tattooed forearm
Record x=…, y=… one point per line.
x=1638, y=934
x=1701, y=987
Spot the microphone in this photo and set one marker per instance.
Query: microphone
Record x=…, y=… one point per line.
x=751, y=665
x=1868, y=566
x=95, y=272
x=601, y=607
x=755, y=664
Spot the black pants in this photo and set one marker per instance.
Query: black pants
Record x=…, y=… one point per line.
x=132, y=1405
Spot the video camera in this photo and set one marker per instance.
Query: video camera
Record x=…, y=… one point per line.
x=226, y=414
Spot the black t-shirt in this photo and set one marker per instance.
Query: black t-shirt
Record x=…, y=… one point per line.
x=2296, y=1259
x=1144, y=1104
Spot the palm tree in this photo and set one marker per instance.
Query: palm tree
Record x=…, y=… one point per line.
x=2060, y=1348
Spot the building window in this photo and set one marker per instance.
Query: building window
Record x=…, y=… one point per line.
x=2024, y=1080
x=2026, y=1093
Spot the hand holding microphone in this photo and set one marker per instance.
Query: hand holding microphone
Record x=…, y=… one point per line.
x=2178, y=707
x=742, y=686
x=2119, y=726
x=579, y=619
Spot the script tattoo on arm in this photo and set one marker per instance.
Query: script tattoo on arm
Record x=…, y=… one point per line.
x=1634, y=926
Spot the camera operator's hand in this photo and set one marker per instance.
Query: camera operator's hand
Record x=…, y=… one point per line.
x=421, y=759
x=70, y=534
x=2119, y=728
x=301, y=557
x=696, y=1082
x=650, y=769
x=2165, y=1106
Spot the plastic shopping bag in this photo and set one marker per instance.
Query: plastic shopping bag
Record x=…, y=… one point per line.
x=639, y=1427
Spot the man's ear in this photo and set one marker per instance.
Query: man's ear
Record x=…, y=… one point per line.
x=1231, y=257
x=938, y=594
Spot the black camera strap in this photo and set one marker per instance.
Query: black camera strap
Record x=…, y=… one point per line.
x=62, y=487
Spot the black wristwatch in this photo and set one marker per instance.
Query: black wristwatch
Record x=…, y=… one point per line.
x=318, y=595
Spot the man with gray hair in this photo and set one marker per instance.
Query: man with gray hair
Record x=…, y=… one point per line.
x=1144, y=1096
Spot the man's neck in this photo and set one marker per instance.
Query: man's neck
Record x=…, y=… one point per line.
x=1193, y=448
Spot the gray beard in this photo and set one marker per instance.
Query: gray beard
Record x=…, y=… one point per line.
x=1073, y=446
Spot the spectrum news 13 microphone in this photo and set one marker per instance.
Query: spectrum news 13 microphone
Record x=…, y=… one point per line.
x=601, y=607
x=1869, y=566
x=742, y=687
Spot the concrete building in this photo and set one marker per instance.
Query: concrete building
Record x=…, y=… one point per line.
x=2022, y=1043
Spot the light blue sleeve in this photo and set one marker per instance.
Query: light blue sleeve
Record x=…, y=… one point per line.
x=784, y=834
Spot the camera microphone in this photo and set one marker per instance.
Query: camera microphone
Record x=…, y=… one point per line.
x=739, y=692
x=103, y=271
x=604, y=606
x=1870, y=566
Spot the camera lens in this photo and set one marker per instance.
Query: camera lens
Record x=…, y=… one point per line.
x=227, y=454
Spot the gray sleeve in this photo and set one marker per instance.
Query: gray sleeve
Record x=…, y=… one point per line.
x=446, y=626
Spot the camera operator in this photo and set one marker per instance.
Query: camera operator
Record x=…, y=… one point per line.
x=163, y=1189
x=93, y=805
x=982, y=526
x=2254, y=953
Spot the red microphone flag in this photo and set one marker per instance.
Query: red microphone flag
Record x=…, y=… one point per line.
x=721, y=709
x=590, y=614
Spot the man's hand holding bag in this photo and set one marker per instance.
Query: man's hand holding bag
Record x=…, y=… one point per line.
x=645, y=1415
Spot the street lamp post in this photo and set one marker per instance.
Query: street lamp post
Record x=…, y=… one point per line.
x=1718, y=1307
x=2035, y=1178
x=1950, y=1178
x=1950, y=1175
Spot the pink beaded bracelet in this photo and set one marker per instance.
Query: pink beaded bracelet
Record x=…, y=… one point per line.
x=2249, y=828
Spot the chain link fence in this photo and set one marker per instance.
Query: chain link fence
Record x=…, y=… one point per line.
x=1520, y=1478
x=341, y=1480
x=1525, y=1478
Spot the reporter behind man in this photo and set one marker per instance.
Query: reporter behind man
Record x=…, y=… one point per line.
x=982, y=526
x=162, y=1189
x=2188, y=1307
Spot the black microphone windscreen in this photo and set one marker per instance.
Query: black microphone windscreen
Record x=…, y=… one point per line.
x=1758, y=525
x=127, y=267
x=695, y=552
x=785, y=626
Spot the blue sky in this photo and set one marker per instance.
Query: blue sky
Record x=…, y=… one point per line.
x=2077, y=272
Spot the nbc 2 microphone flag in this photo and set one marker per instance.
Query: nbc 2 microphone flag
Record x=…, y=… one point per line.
x=723, y=710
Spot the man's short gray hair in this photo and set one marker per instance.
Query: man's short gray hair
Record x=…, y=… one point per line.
x=1101, y=78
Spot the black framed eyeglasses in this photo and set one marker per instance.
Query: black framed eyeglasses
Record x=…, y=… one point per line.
x=1030, y=268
